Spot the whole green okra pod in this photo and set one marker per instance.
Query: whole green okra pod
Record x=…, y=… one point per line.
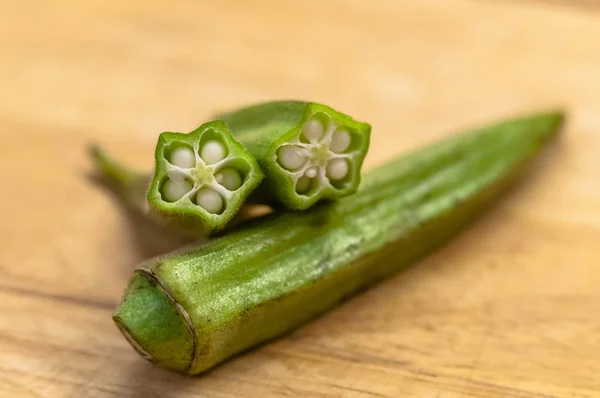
x=189, y=310
x=308, y=151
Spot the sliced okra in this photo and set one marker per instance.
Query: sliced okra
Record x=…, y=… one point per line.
x=202, y=178
x=191, y=310
x=308, y=151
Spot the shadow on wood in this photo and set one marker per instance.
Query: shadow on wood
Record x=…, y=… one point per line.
x=149, y=238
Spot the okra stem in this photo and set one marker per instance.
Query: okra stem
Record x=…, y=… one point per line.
x=131, y=185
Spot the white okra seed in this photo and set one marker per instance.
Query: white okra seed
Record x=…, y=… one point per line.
x=212, y=152
x=292, y=157
x=337, y=169
x=183, y=157
x=312, y=172
x=314, y=130
x=303, y=184
x=210, y=200
x=175, y=190
x=340, y=141
x=229, y=178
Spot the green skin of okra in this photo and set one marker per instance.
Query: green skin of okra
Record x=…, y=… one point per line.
x=199, y=176
x=269, y=128
x=192, y=309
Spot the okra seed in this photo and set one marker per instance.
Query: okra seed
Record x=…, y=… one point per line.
x=303, y=184
x=292, y=157
x=183, y=157
x=229, y=178
x=210, y=200
x=337, y=169
x=340, y=141
x=212, y=152
x=175, y=190
x=311, y=172
x=314, y=130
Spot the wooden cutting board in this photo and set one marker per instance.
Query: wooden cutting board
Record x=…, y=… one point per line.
x=509, y=309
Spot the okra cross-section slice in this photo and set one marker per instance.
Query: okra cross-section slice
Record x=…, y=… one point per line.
x=308, y=151
x=202, y=178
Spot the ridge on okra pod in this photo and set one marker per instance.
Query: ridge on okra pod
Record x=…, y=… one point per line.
x=308, y=151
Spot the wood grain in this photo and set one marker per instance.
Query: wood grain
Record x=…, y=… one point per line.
x=583, y=4
x=509, y=309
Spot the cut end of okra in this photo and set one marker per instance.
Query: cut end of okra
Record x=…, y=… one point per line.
x=325, y=156
x=169, y=345
x=308, y=151
x=203, y=176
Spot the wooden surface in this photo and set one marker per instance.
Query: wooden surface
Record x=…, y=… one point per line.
x=509, y=309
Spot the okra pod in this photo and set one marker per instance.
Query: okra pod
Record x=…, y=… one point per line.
x=192, y=309
x=308, y=151
x=202, y=178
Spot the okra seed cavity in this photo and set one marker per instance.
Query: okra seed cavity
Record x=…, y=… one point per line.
x=318, y=154
x=183, y=157
x=337, y=169
x=175, y=190
x=229, y=178
x=210, y=200
x=292, y=157
x=340, y=141
x=303, y=184
x=212, y=152
x=314, y=130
